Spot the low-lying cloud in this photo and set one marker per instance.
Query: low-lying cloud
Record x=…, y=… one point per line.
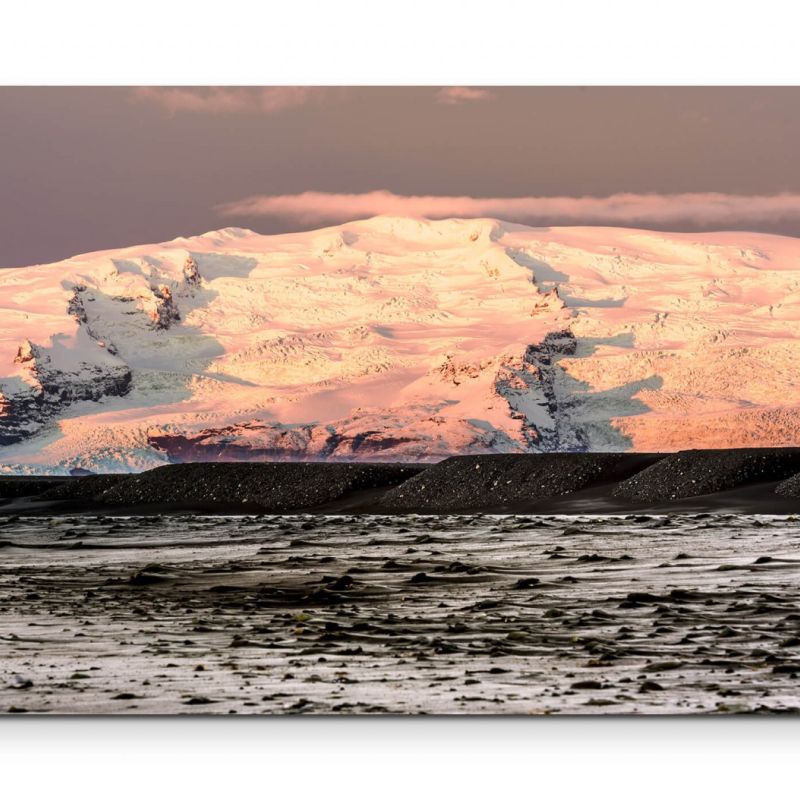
x=230, y=99
x=268, y=99
x=455, y=95
x=708, y=210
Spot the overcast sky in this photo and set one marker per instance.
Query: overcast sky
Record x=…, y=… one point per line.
x=92, y=168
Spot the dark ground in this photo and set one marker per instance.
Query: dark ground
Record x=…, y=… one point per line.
x=537, y=584
x=747, y=481
x=451, y=614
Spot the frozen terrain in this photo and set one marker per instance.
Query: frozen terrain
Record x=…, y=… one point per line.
x=459, y=614
x=399, y=339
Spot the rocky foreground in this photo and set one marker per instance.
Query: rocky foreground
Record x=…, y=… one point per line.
x=458, y=614
x=758, y=480
x=528, y=584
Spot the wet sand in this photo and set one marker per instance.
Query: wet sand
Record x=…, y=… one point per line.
x=457, y=614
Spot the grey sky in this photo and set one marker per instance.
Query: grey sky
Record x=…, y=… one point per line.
x=91, y=168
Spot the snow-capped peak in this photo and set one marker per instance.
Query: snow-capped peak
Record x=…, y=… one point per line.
x=398, y=338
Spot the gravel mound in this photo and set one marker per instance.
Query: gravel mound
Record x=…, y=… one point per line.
x=83, y=488
x=488, y=482
x=276, y=487
x=24, y=486
x=690, y=473
x=790, y=487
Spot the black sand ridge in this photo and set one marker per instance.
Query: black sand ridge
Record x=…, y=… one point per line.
x=474, y=483
x=84, y=488
x=790, y=487
x=25, y=486
x=278, y=486
x=757, y=480
x=690, y=473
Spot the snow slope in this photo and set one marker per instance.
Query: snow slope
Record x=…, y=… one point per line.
x=399, y=339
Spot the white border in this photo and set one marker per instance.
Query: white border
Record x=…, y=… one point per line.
x=405, y=758
x=355, y=42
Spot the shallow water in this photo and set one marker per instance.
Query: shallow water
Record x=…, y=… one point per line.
x=455, y=614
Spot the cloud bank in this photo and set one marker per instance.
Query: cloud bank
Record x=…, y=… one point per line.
x=455, y=95
x=230, y=99
x=636, y=210
x=267, y=99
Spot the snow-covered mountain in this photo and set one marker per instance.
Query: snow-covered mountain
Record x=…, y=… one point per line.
x=399, y=339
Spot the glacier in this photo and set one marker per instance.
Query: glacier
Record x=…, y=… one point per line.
x=399, y=339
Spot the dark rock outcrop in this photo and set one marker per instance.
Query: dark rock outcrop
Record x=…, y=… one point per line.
x=165, y=311
x=76, y=307
x=261, y=443
x=48, y=389
x=548, y=302
x=27, y=353
x=191, y=274
x=531, y=379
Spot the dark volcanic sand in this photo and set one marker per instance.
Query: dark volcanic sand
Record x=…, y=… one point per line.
x=450, y=614
x=265, y=487
x=12, y=486
x=508, y=482
x=790, y=487
x=87, y=487
x=564, y=483
x=701, y=472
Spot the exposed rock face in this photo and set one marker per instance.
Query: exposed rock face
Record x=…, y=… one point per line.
x=165, y=313
x=91, y=382
x=245, y=442
x=49, y=380
x=75, y=307
x=27, y=353
x=363, y=437
x=550, y=301
x=530, y=386
x=456, y=372
x=191, y=274
x=48, y=390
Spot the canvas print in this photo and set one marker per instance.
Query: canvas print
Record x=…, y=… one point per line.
x=399, y=400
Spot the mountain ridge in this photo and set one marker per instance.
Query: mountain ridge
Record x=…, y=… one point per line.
x=398, y=339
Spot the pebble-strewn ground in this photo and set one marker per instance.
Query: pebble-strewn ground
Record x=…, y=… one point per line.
x=458, y=614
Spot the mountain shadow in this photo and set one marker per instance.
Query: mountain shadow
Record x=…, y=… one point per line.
x=580, y=418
